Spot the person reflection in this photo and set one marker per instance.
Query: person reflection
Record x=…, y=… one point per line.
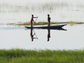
x=33, y=35
x=48, y=36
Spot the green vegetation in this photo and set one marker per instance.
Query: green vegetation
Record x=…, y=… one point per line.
x=41, y=56
x=45, y=23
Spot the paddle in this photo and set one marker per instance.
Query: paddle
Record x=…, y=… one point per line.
x=36, y=19
x=35, y=35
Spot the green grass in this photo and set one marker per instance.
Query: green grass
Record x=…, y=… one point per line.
x=45, y=23
x=41, y=56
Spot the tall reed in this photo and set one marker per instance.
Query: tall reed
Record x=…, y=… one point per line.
x=41, y=56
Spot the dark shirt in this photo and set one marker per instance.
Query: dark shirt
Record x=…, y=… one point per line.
x=49, y=19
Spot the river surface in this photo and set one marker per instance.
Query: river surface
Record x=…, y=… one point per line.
x=19, y=11
x=19, y=37
x=14, y=11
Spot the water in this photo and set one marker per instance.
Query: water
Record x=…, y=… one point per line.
x=19, y=37
x=59, y=10
x=14, y=11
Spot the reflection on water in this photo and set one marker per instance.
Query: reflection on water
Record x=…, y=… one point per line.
x=32, y=35
x=60, y=10
x=55, y=27
x=48, y=35
x=73, y=38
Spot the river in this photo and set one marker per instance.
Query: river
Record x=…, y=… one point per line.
x=15, y=11
x=60, y=10
x=19, y=37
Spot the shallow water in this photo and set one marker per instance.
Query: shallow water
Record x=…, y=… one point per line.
x=59, y=10
x=19, y=37
x=14, y=11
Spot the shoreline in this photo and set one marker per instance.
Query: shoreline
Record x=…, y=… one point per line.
x=41, y=56
x=45, y=23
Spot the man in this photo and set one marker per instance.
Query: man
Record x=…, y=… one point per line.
x=48, y=36
x=48, y=18
x=31, y=33
x=32, y=20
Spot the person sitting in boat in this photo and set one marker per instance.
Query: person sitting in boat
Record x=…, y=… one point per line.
x=48, y=18
x=32, y=19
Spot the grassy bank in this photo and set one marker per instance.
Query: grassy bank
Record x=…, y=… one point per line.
x=41, y=56
x=45, y=23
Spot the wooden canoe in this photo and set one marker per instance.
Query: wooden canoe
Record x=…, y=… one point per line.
x=46, y=27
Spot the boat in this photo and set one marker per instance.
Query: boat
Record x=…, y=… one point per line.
x=58, y=27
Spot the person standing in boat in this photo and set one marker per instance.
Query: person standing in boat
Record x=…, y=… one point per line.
x=48, y=18
x=32, y=20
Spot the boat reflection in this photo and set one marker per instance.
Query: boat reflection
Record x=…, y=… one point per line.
x=34, y=36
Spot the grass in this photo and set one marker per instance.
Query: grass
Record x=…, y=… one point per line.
x=45, y=23
x=40, y=7
x=41, y=56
